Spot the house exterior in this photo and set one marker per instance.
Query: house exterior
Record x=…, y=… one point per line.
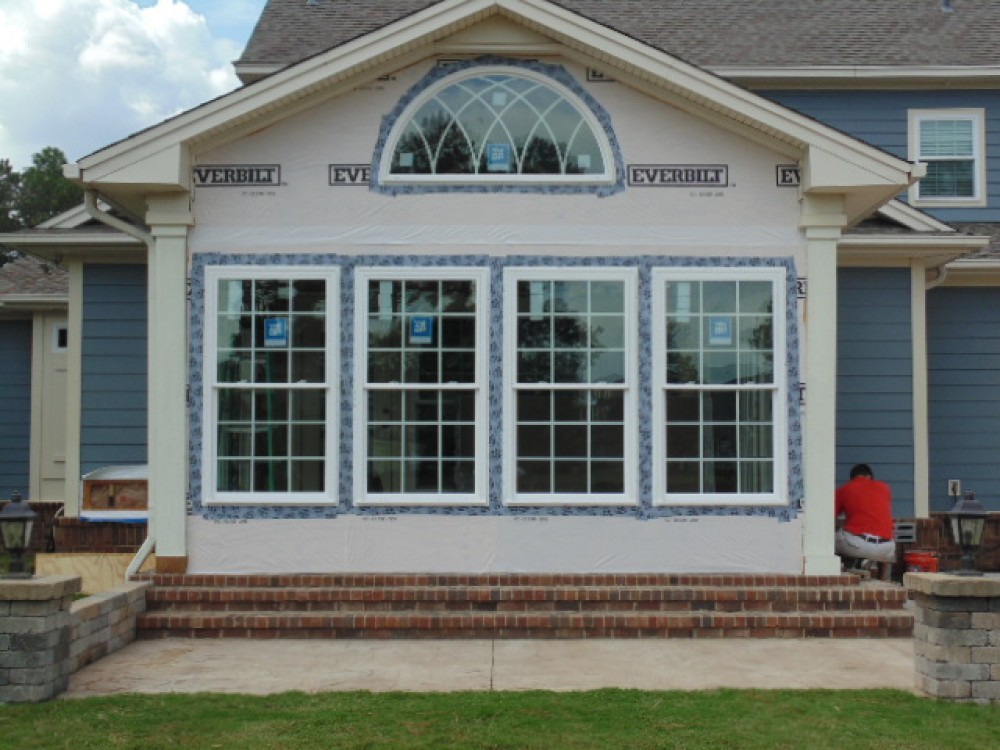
x=33, y=345
x=516, y=285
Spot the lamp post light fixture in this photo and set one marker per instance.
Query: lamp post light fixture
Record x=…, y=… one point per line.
x=967, y=519
x=16, y=523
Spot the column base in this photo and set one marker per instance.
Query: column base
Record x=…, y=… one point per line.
x=821, y=565
x=171, y=564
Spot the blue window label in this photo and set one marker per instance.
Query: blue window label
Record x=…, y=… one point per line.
x=498, y=157
x=720, y=331
x=422, y=329
x=276, y=332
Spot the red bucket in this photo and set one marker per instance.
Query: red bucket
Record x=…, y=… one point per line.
x=922, y=561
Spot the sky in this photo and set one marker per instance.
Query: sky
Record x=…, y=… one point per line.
x=82, y=74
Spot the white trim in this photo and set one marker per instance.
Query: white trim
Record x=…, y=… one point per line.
x=913, y=218
x=629, y=277
x=977, y=117
x=481, y=276
x=779, y=388
x=406, y=116
x=74, y=389
x=921, y=414
x=331, y=459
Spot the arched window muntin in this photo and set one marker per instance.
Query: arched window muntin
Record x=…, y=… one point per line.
x=562, y=122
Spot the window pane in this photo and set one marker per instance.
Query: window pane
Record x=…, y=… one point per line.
x=718, y=333
x=949, y=179
x=502, y=123
x=280, y=327
x=946, y=138
x=307, y=476
x=607, y=476
x=570, y=476
x=534, y=476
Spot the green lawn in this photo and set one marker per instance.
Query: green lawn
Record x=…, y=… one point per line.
x=810, y=719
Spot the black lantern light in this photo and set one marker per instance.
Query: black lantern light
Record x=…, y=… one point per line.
x=968, y=522
x=16, y=523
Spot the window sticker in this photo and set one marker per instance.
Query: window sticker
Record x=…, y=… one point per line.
x=720, y=331
x=276, y=332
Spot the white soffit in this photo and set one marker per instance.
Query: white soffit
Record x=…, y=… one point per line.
x=141, y=160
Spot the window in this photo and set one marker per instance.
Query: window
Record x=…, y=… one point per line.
x=491, y=124
x=951, y=143
x=271, y=385
x=570, y=401
x=421, y=386
x=60, y=338
x=719, y=392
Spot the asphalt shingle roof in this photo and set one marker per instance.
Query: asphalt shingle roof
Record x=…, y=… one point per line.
x=709, y=33
x=29, y=275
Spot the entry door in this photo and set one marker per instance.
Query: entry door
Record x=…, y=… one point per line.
x=51, y=362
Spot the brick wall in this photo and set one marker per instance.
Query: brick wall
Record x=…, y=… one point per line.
x=74, y=535
x=933, y=534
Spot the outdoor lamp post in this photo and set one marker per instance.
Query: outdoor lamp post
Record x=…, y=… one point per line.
x=16, y=523
x=967, y=519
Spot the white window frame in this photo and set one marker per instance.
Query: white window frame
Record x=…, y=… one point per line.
x=978, y=119
x=779, y=388
x=387, y=177
x=331, y=461
x=362, y=277
x=629, y=276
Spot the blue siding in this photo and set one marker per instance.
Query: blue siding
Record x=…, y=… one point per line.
x=963, y=340
x=875, y=379
x=880, y=118
x=114, y=402
x=15, y=407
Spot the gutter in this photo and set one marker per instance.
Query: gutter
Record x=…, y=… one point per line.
x=90, y=204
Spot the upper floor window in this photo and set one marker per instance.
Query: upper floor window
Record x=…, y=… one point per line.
x=497, y=124
x=952, y=145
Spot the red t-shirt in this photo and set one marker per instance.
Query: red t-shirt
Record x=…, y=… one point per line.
x=867, y=503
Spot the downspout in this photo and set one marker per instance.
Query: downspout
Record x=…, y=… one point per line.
x=940, y=277
x=90, y=204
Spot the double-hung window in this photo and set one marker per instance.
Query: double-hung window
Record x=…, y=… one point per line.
x=719, y=386
x=271, y=385
x=421, y=401
x=951, y=144
x=570, y=399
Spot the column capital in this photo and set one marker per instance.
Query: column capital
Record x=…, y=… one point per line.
x=170, y=214
x=822, y=215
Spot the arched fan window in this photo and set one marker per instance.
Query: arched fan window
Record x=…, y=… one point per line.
x=497, y=124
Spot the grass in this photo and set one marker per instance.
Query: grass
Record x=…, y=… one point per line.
x=741, y=719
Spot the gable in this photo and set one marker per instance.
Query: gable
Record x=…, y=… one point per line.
x=159, y=159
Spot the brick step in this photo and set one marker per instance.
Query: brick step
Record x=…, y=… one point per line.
x=524, y=625
x=527, y=598
x=499, y=579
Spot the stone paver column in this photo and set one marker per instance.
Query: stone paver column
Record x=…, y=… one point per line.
x=957, y=636
x=35, y=637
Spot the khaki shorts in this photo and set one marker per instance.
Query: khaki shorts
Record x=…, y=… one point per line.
x=847, y=544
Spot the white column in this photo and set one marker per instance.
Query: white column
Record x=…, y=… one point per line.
x=921, y=437
x=169, y=220
x=822, y=219
x=74, y=389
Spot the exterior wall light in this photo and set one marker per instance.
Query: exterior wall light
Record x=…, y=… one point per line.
x=16, y=523
x=967, y=519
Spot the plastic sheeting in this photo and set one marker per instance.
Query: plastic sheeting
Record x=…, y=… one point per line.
x=449, y=544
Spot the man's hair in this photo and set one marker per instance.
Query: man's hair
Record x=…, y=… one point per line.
x=862, y=470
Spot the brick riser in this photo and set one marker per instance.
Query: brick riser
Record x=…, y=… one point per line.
x=521, y=606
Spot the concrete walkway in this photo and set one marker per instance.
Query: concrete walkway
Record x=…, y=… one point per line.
x=262, y=667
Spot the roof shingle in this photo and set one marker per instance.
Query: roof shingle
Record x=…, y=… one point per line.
x=709, y=33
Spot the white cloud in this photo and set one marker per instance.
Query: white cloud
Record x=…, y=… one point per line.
x=80, y=74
